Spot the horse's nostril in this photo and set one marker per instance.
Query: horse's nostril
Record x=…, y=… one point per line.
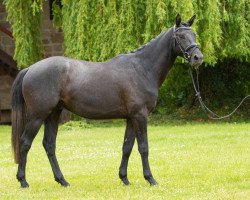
x=196, y=57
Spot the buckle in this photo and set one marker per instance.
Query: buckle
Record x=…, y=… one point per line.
x=187, y=56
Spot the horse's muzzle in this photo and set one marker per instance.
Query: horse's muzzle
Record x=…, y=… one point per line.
x=196, y=59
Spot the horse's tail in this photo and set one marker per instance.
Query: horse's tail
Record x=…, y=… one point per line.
x=18, y=113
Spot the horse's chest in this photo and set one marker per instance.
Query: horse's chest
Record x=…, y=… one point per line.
x=151, y=101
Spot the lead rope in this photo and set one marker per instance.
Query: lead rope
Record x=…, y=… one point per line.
x=210, y=113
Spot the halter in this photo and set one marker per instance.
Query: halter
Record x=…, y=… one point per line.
x=185, y=51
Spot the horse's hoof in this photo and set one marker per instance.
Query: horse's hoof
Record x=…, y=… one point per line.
x=152, y=181
x=24, y=184
x=125, y=181
x=65, y=184
x=62, y=181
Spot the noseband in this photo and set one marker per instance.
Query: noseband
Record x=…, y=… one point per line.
x=185, y=51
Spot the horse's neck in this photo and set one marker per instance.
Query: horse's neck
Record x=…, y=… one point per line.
x=159, y=56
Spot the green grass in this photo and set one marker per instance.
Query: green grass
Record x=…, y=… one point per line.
x=190, y=161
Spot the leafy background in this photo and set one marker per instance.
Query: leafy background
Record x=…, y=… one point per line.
x=97, y=30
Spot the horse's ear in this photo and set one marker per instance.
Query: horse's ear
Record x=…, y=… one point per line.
x=191, y=21
x=178, y=20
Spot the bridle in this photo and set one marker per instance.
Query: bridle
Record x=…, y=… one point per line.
x=187, y=57
x=185, y=51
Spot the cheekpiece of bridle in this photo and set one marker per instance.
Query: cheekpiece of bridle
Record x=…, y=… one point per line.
x=185, y=51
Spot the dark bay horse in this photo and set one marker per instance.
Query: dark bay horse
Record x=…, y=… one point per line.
x=124, y=87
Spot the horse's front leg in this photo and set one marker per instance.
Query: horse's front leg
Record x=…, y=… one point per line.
x=140, y=123
x=128, y=143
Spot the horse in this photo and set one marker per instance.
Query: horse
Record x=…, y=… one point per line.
x=124, y=87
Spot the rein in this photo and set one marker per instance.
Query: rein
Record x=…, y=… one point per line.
x=210, y=113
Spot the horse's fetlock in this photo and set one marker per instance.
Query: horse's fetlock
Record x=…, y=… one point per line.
x=148, y=176
x=59, y=178
x=20, y=176
x=122, y=174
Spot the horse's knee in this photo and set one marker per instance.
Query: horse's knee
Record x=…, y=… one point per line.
x=49, y=148
x=143, y=150
x=127, y=150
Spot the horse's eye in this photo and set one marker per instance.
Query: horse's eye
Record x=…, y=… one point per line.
x=182, y=36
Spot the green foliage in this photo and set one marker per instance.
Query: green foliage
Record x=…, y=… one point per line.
x=104, y=29
x=209, y=29
x=24, y=15
x=101, y=30
x=57, y=14
x=98, y=30
x=175, y=91
x=236, y=29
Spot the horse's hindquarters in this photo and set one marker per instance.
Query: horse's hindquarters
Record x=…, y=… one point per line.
x=42, y=86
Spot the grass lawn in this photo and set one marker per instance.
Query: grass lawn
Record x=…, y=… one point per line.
x=190, y=161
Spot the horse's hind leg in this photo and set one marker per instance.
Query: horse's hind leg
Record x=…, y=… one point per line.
x=49, y=143
x=129, y=140
x=30, y=131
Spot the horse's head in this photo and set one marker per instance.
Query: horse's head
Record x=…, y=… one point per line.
x=185, y=42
